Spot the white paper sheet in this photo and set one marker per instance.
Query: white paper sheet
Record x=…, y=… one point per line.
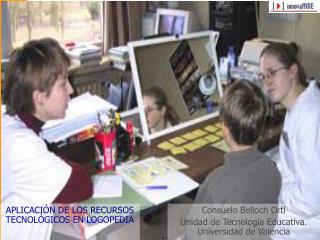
x=152, y=172
x=82, y=113
x=107, y=186
x=177, y=184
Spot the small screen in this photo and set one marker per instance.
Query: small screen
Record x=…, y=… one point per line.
x=171, y=24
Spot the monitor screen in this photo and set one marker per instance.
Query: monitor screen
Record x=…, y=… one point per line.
x=171, y=24
x=173, y=67
x=171, y=21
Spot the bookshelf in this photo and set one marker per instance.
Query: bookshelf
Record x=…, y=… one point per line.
x=236, y=22
x=95, y=78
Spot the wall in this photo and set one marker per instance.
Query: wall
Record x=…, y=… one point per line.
x=304, y=32
x=200, y=10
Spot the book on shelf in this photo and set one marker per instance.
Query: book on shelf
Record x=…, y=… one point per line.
x=84, y=54
x=119, y=55
x=86, y=62
x=121, y=52
x=84, y=50
x=118, y=59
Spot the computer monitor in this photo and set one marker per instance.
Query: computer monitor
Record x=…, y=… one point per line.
x=176, y=65
x=172, y=21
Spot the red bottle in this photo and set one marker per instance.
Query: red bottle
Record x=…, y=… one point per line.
x=108, y=143
x=129, y=128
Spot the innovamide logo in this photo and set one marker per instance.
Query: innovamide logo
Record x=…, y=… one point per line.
x=293, y=6
x=277, y=6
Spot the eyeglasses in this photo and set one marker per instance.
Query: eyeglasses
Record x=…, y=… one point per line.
x=270, y=73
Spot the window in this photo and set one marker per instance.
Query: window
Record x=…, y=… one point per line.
x=65, y=21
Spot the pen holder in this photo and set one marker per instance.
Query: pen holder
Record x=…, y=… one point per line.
x=107, y=143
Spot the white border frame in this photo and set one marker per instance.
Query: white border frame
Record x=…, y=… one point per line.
x=213, y=38
x=173, y=12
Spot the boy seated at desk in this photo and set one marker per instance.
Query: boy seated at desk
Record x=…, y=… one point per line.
x=247, y=176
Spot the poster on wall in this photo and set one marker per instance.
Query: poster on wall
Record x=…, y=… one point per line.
x=187, y=74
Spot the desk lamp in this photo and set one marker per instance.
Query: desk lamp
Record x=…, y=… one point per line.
x=208, y=81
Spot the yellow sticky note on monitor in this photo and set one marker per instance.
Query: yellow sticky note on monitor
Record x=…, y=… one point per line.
x=177, y=140
x=211, y=128
x=221, y=145
x=189, y=136
x=191, y=146
x=201, y=142
x=199, y=133
x=212, y=138
x=177, y=150
x=166, y=145
x=219, y=133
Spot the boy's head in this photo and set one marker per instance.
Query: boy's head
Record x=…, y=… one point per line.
x=243, y=112
x=34, y=71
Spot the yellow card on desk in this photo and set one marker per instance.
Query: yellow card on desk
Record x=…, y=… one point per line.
x=212, y=138
x=201, y=142
x=166, y=145
x=173, y=163
x=221, y=145
x=211, y=128
x=219, y=133
x=177, y=140
x=177, y=150
x=189, y=136
x=191, y=146
x=199, y=133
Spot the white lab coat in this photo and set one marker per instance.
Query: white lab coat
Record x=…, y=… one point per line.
x=299, y=165
x=31, y=175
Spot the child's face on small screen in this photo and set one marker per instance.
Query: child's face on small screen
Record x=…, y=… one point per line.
x=153, y=114
x=56, y=103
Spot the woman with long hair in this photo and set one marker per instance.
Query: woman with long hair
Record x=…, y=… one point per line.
x=284, y=80
x=160, y=115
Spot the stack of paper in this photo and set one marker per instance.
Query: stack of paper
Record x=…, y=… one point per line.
x=157, y=179
x=85, y=54
x=120, y=53
x=107, y=186
x=119, y=57
x=82, y=113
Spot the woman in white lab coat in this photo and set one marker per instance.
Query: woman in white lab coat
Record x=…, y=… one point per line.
x=36, y=90
x=284, y=80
